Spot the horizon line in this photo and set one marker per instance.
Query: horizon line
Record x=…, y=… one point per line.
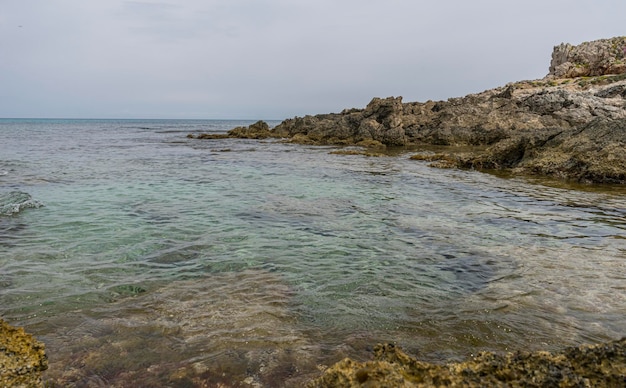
x=135, y=118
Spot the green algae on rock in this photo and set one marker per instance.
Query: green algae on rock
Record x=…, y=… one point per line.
x=601, y=365
x=22, y=358
x=595, y=153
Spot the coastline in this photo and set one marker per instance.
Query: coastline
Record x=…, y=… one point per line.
x=568, y=128
x=570, y=125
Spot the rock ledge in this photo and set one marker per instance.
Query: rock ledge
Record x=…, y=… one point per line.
x=586, y=366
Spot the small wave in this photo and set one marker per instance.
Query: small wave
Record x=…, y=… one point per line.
x=16, y=201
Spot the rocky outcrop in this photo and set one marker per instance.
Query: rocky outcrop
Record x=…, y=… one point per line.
x=587, y=366
x=22, y=358
x=258, y=130
x=600, y=57
x=594, y=153
x=529, y=126
x=478, y=119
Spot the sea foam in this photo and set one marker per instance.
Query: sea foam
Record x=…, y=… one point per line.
x=14, y=202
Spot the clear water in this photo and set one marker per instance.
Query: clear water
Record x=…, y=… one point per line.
x=176, y=261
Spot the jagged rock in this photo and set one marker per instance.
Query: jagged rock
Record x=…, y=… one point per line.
x=594, y=153
x=258, y=130
x=601, y=365
x=22, y=358
x=600, y=57
x=479, y=119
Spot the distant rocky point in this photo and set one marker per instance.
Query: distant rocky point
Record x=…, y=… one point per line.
x=571, y=124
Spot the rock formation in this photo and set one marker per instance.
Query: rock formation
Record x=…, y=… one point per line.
x=478, y=119
x=600, y=57
x=587, y=366
x=545, y=126
x=22, y=358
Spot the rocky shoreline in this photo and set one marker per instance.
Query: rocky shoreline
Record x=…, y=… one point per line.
x=569, y=125
x=23, y=359
x=586, y=366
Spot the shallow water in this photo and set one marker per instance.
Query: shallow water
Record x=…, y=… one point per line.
x=177, y=261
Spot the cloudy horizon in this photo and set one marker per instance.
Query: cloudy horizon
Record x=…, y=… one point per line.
x=273, y=59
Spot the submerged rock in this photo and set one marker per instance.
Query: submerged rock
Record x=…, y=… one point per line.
x=15, y=201
x=228, y=329
x=601, y=365
x=22, y=358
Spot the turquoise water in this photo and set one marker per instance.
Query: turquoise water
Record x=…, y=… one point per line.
x=181, y=261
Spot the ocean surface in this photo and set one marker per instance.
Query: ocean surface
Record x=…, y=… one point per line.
x=137, y=254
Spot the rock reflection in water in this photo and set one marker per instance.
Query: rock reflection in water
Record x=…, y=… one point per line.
x=229, y=328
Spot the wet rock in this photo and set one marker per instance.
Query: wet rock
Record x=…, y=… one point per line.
x=258, y=130
x=14, y=202
x=22, y=358
x=595, y=153
x=209, y=136
x=601, y=365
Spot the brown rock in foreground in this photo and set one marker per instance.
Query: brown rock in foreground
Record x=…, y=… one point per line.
x=593, y=366
x=22, y=358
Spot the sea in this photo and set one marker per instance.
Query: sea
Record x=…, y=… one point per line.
x=142, y=257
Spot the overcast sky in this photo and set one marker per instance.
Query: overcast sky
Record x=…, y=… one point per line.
x=274, y=59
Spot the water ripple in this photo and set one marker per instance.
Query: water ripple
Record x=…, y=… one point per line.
x=278, y=257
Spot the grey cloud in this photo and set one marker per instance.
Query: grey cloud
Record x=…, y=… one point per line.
x=274, y=58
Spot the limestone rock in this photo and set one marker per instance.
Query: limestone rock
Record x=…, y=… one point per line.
x=600, y=57
x=22, y=358
x=479, y=119
x=594, y=153
x=601, y=365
